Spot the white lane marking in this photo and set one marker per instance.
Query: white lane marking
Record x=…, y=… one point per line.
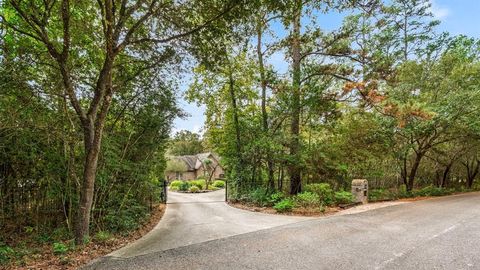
x=398, y=255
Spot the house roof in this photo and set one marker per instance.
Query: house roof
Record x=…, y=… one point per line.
x=190, y=161
x=194, y=162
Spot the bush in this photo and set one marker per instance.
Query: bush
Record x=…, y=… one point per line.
x=219, y=184
x=184, y=186
x=285, y=205
x=307, y=199
x=59, y=248
x=193, y=189
x=103, y=236
x=344, y=197
x=432, y=191
x=175, y=185
x=6, y=253
x=276, y=197
x=259, y=197
x=381, y=194
x=201, y=184
x=125, y=219
x=324, y=192
x=403, y=193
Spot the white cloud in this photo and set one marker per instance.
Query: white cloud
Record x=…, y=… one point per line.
x=439, y=12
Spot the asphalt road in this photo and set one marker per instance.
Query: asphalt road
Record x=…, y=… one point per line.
x=441, y=233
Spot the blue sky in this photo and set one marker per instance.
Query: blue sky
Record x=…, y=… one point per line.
x=457, y=16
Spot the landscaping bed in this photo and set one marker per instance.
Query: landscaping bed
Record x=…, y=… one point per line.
x=195, y=186
x=321, y=200
x=317, y=200
x=26, y=253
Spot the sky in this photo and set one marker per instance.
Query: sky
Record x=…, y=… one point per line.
x=457, y=17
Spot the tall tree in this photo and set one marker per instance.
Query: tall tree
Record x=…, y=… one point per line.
x=185, y=142
x=67, y=32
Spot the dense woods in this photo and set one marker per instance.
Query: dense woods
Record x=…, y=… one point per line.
x=384, y=96
x=88, y=94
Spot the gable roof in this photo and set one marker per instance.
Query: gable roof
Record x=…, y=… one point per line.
x=190, y=161
x=194, y=162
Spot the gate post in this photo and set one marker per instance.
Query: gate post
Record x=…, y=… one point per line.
x=226, y=190
x=164, y=191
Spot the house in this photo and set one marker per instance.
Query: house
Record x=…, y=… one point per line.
x=195, y=166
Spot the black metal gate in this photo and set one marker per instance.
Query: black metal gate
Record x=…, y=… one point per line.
x=164, y=193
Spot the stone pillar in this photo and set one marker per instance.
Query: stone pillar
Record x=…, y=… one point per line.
x=360, y=190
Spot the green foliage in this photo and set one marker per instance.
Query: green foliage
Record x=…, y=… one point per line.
x=174, y=165
x=307, y=199
x=185, y=142
x=200, y=184
x=276, y=197
x=343, y=197
x=180, y=185
x=324, y=192
x=375, y=195
x=184, y=186
x=432, y=191
x=219, y=184
x=193, y=189
x=103, y=236
x=126, y=219
x=285, y=205
x=59, y=248
x=6, y=253
x=259, y=197
x=175, y=184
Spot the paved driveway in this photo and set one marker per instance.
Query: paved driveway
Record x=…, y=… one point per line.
x=195, y=218
x=442, y=233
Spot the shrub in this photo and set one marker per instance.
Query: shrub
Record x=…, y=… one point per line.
x=432, y=191
x=307, y=199
x=285, y=205
x=193, y=189
x=403, y=193
x=219, y=184
x=343, y=197
x=59, y=248
x=6, y=253
x=175, y=185
x=126, y=218
x=276, y=197
x=184, y=186
x=201, y=184
x=103, y=236
x=259, y=197
x=381, y=195
x=324, y=192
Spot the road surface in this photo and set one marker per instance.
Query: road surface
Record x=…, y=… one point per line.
x=441, y=233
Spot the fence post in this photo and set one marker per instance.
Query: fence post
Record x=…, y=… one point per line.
x=226, y=190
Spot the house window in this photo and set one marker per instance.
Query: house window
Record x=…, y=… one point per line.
x=179, y=176
x=222, y=175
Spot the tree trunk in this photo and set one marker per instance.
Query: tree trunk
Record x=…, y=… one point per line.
x=445, y=175
x=472, y=172
x=93, y=132
x=233, y=99
x=263, y=84
x=294, y=168
x=86, y=194
x=413, y=171
x=403, y=172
